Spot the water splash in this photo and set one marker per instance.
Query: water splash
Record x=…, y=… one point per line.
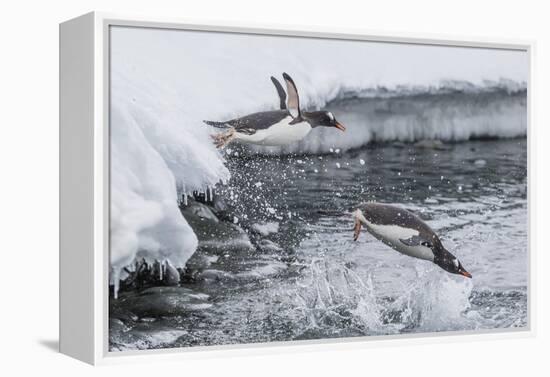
x=436, y=301
x=337, y=296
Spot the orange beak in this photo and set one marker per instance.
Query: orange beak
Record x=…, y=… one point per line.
x=466, y=273
x=340, y=126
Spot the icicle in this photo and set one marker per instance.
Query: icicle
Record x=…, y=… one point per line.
x=184, y=194
x=179, y=193
x=161, y=266
x=210, y=192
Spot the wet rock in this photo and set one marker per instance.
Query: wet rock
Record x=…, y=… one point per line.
x=171, y=276
x=157, y=302
x=141, y=275
x=145, y=275
x=215, y=236
x=195, y=210
x=221, y=209
x=225, y=239
x=195, y=265
x=200, y=261
x=117, y=325
x=121, y=314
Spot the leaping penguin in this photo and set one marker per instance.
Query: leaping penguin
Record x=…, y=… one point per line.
x=403, y=231
x=277, y=127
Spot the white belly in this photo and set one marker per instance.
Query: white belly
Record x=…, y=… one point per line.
x=391, y=236
x=281, y=133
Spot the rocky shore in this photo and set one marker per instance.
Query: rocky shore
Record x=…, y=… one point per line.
x=229, y=255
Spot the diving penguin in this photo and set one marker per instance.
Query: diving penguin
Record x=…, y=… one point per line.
x=277, y=127
x=403, y=231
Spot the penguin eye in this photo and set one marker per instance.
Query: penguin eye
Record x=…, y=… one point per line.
x=330, y=115
x=455, y=261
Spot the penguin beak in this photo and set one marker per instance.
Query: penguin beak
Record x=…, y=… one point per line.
x=356, y=229
x=465, y=273
x=340, y=126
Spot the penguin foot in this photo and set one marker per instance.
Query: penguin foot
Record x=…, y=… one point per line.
x=356, y=229
x=223, y=138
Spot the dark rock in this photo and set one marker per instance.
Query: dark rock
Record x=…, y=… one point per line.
x=149, y=275
x=221, y=209
x=163, y=301
x=194, y=209
x=171, y=276
x=116, y=325
x=142, y=275
x=214, y=236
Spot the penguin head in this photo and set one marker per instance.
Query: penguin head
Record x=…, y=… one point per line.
x=451, y=264
x=324, y=119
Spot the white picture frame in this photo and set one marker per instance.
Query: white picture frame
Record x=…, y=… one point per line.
x=84, y=166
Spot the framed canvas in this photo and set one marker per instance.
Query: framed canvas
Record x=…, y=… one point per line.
x=227, y=188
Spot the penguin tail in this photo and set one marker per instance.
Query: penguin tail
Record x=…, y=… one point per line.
x=216, y=124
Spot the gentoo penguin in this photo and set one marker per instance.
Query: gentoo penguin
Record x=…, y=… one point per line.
x=406, y=233
x=276, y=127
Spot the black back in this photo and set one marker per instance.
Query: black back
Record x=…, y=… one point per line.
x=249, y=124
x=385, y=214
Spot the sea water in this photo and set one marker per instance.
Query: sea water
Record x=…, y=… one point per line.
x=315, y=282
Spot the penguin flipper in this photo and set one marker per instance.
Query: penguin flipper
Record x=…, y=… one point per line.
x=281, y=92
x=293, y=102
x=416, y=241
